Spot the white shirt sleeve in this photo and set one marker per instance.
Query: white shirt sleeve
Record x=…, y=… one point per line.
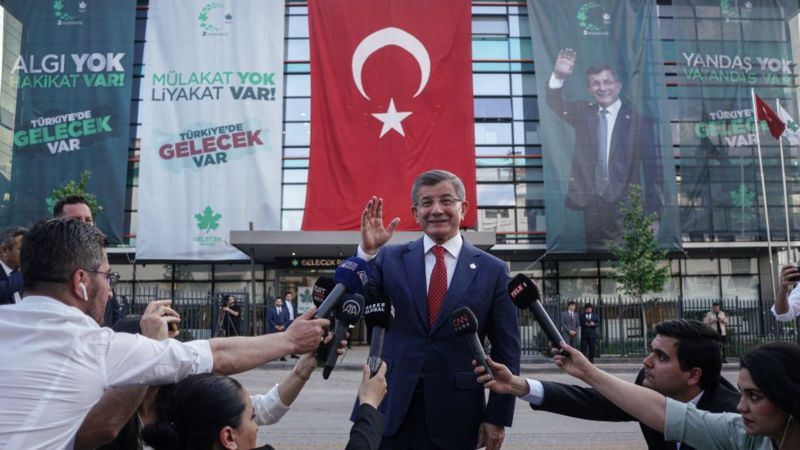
x=133, y=359
x=268, y=407
x=536, y=394
x=364, y=255
x=794, y=306
x=555, y=83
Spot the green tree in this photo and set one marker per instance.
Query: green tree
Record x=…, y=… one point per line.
x=640, y=267
x=72, y=188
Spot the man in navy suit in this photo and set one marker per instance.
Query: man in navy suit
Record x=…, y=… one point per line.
x=10, y=277
x=433, y=400
x=615, y=147
x=589, y=322
x=277, y=317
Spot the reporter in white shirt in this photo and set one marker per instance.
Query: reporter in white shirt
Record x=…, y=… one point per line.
x=787, y=300
x=57, y=361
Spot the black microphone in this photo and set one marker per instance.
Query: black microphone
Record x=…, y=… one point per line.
x=525, y=294
x=351, y=276
x=350, y=310
x=466, y=324
x=322, y=287
x=378, y=315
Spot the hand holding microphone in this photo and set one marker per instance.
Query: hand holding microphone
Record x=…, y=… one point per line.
x=349, y=311
x=378, y=315
x=525, y=294
x=466, y=324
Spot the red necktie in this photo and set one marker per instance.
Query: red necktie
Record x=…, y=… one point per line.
x=437, y=289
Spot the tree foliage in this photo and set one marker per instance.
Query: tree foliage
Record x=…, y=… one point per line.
x=73, y=188
x=640, y=266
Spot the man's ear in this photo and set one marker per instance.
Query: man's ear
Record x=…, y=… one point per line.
x=695, y=374
x=227, y=438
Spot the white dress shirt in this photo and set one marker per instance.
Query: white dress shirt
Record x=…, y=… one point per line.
x=794, y=306
x=268, y=407
x=56, y=362
x=453, y=249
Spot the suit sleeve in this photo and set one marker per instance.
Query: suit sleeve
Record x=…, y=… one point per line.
x=567, y=111
x=10, y=285
x=503, y=331
x=652, y=166
x=580, y=402
x=564, y=323
x=367, y=431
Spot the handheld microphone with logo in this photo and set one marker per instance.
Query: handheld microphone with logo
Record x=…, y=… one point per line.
x=348, y=313
x=378, y=315
x=351, y=276
x=322, y=287
x=525, y=294
x=466, y=324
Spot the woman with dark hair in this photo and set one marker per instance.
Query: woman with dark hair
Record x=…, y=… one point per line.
x=769, y=408
x=210, y=412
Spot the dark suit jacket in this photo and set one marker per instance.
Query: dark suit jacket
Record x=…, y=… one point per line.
x=274, y=319
x=366, y=432
x=9, y=285
x=568, y=324
x=454, y=401
x=589, y=331
x=586, y=403
x=634, y=157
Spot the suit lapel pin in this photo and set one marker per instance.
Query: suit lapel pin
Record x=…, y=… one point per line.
x=473, y=266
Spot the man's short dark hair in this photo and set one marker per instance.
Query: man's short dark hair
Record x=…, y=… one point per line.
x=58, y=209
x=434, y=177
x=55, y=248
x=716, y=304
x=571, y=302
x=600, y=68
x=588, y=305
x=9, y=237
x=698, y=346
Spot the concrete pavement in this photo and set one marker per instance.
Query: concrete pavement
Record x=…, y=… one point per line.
x=319, y=417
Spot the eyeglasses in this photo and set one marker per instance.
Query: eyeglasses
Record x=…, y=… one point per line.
x=444, y=202
x=111, y=277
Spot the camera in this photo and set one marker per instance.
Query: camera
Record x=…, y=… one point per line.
x=794, y=278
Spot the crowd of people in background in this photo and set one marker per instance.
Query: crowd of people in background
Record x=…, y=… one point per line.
x=68, y=381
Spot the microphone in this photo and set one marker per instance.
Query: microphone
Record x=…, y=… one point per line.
x=351, y=276
x=525, y=294
x=351, y=309
x=466, y=324
x=378, y=315
x=322, y=287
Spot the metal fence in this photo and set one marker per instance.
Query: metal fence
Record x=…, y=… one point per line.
x=627, y=325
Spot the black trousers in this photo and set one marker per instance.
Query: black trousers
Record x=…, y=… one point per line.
x=413, y=433
x=588, y=345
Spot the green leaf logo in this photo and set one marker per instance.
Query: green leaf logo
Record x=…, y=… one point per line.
x=207, y=220
x=743, y=197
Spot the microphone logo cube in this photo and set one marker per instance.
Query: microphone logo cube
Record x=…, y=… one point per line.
x=516, y=291
x=461, y=323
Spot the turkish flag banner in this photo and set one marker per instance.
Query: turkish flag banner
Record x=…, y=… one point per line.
x=764, y=112
x=391, y=97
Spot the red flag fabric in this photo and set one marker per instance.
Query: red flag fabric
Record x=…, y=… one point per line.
x=764, y=112
x=391, y=97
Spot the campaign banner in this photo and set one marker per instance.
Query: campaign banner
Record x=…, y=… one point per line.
x=722, y=50
x=72, y=71
x=601, y=100
x=391, y=97
x=211, y=115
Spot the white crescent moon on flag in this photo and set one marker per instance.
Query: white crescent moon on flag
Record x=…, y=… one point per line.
x=383, y=38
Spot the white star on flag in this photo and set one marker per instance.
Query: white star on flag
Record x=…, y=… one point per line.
x=391, y=119
x=792, y=131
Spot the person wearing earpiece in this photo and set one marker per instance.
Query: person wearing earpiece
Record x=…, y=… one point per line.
x=768, y=409
x=57, y=361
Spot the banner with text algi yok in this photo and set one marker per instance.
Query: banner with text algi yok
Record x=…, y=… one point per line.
x=211, y=126
x=601, y=97
x=72, y=72
x=722, y=50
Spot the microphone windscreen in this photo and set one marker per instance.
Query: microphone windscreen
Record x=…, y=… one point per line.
x=523, y=291
x=353, y=273
x=464, y=321
x=322, y=287
x=378, y=310
x=350, y=309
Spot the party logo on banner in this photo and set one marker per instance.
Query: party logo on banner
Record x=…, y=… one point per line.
x=207, y=222
x=67, y=15
x=593, y=19
x=214, y=20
